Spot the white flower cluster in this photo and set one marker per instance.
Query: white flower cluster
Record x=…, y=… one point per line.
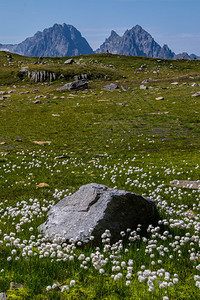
x=60, y=287
x=176, y=236
x=161, y=277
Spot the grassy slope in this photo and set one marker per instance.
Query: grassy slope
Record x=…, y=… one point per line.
x=89, y=124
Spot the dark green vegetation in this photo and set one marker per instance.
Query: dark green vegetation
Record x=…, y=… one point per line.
x=122, y=138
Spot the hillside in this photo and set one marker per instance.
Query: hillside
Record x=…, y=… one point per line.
x=141, y=136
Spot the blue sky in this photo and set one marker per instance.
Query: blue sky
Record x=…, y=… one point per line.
x=172, y=22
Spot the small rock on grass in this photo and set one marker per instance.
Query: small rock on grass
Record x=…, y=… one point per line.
x=69, y=61
x=194, y=84
x=3, y=296
x=61, y=157
x=14, y=286
x=186, y=184
x=196, y=94
x=75, y=85
x=145, y=81
x=143, y=87
x=42, y=184
x=123, y=88
x=35, y=91
x=41, y=142
x=159, y=98
x=110, y=87
x=37, y=102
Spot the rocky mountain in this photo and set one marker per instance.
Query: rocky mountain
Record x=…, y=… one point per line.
x=66, y=40
x=138, y=42
x=59, y=40
x=185, y=55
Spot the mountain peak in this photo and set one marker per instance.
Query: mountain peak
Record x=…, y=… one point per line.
x=114, y=34
x=58, y=40
x=136, y=42
x=138, y=27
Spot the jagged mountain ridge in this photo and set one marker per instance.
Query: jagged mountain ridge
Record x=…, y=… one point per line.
x=59, y=40
x=138, y=42
x=66, y=40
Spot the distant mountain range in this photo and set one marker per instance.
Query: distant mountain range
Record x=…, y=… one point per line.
x=66, y=40
x=138, y=42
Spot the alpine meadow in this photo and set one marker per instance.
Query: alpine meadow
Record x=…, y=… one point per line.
x=134, y=126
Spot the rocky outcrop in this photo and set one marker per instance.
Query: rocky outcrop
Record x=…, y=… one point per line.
x=95, y=208
x=74, y=85
x=59, y=40
x=69, y=61
x=81, y=76
x=40, y=76
x=37, y=76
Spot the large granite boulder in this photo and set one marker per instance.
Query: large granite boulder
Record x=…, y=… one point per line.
x=95, y=208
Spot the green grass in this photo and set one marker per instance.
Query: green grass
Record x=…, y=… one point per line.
x=123, y=139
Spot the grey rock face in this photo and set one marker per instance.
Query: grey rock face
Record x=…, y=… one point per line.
x=40, y=76
x=112, y=44
x=75, y=85
x=59, y=40
x=98, y=207
x=136, y=42
x=81, y=76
